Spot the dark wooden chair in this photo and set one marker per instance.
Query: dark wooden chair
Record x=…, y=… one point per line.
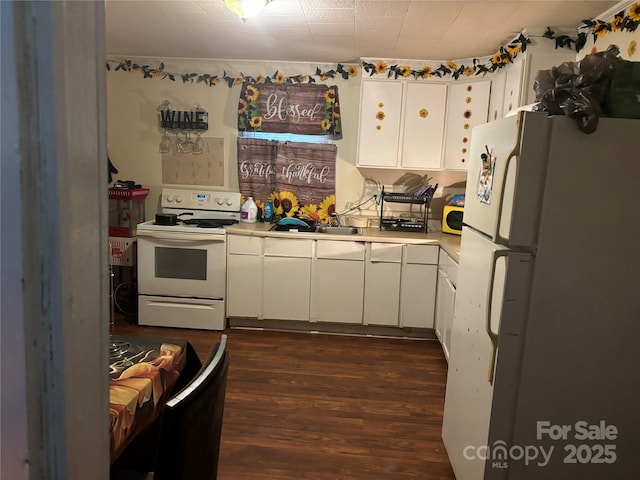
x=188, y=442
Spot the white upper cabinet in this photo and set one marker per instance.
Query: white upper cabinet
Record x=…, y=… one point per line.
x=496, y=99
x=401, y=124
x=467, y=106
x=513, y=85
x=424, y=114
x=520, y=76
x=380, y=116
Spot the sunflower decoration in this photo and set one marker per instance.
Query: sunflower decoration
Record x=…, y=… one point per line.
x=280, y=78
x=260, y=79
x=634, y=12
x=325, y=124
x=381, y=67
x=251, y=93
x=242, y=106
x=516, y=49
x=405, y=70
x=256, y=123
x=289, y=204
x=327, y=208
x=274, y=198
x=496, y=58
x=469, y=71
x=309, y=212
x=425, y=72
x=330, y=96
x=260, y=204
x=617, y=24
x=353, y=71
x=336, y=110
x=601, y=29
x=249, y=115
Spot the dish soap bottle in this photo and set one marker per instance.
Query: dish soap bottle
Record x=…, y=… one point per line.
x=249, y=211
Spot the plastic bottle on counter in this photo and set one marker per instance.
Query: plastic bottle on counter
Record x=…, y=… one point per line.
x=249, y=211
x=267, y=211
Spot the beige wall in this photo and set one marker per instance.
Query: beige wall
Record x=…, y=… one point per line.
x=622, y=39
x=134, y=133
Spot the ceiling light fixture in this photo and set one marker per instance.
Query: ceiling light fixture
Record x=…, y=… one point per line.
x=245, y=8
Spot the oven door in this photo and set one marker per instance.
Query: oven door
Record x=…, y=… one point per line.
x=181, y=266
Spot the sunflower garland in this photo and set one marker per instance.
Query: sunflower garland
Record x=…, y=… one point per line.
x=500, y=59
x=504, y=56
x=231, y=80
x=622, y=22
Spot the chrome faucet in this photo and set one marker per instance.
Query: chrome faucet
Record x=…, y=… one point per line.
x=335, y=219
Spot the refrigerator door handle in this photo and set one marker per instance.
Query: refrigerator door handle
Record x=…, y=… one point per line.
x=493, y=336
x=512, y=157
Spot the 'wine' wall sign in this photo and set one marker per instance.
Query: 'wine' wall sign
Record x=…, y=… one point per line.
x=184, y=120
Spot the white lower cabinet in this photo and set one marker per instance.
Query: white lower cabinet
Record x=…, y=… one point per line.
x=244, y=282
x=337, y=282
x=445, y=300
x=286, y=279
x=333, y=281
x=382, y=284
x=418, y=289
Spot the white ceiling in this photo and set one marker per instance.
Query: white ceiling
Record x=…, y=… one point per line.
x=333, y=30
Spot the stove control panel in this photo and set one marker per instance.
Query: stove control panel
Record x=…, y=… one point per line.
x=200, y=199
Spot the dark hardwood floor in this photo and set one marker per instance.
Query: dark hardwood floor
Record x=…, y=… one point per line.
x=311, y=406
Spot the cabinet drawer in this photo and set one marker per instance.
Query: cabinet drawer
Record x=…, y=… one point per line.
x=285, y=247
x=340, y=250
x=452, y=272
x=423, y=254
x=244, y=245
x=386, y=252
x=449, y=266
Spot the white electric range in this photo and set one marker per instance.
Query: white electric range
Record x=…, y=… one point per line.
x=182, y=267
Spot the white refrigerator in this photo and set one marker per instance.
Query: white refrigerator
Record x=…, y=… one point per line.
x=544, y=369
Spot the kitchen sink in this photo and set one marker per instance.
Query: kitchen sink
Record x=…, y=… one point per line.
x=337, y=230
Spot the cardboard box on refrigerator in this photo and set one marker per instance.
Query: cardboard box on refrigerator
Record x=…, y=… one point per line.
x=122, y=251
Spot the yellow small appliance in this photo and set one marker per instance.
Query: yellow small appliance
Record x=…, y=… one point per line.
x=452, y=219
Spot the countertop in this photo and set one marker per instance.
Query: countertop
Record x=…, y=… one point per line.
x=450, y=243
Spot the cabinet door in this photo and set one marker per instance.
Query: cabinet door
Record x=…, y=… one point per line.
x=382, y=294
x=423, y=125
x=445, y=300
x=243, y=286
x=337, y=291
x=541, y=61
x=438, y=320
x=379, y=129
x=467, y=106
x=286, y=288
x=449, y=302
x=418, y=295
x=496, y=99
x=513, y=85
x=382, y=284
